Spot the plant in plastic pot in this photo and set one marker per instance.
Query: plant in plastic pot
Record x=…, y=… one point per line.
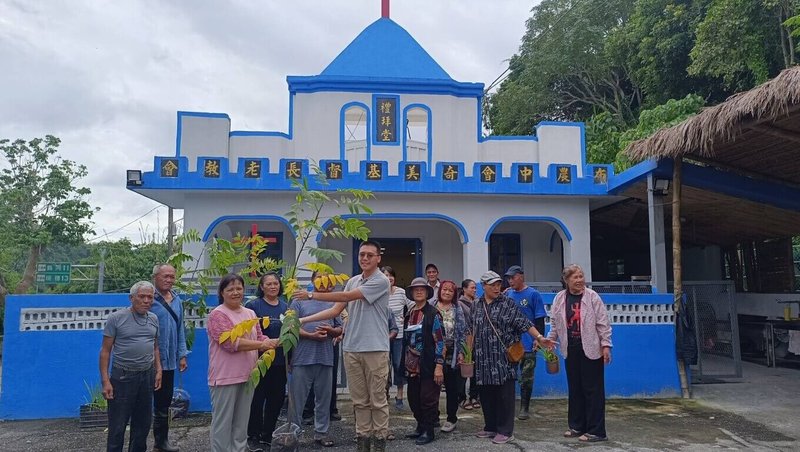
x=467, y=363
x=550, y=360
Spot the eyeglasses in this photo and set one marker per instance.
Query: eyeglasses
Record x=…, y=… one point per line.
x=366, y=255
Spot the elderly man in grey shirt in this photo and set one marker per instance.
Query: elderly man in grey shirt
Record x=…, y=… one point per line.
x=130, y=340
x=366, y=344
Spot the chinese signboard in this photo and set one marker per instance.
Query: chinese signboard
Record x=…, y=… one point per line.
x=525, y=174
x=385, y=120
x=53, y=272
x=169, y=167
x=412, y=172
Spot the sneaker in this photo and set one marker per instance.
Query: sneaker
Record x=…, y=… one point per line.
x=398, y=403
x=502, y=439
x=253, y=445
x=485, y=434
x=336, y=416
x=448, y=426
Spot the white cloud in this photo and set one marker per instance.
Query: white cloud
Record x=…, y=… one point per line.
x=107, y=77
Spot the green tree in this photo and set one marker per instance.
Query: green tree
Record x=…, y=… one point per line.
x=43, y=201
x=743, y=42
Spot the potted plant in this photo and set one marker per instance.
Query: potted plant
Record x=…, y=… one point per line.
x=551, y=360
x=467, y=364
x=94, y=413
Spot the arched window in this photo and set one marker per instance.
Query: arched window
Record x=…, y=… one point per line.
x=354, y=134
x=417, y=119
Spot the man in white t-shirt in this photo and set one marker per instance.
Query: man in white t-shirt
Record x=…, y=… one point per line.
x=365, y=344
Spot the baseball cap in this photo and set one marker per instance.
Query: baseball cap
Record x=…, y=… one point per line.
x=490, y=277
x=513, y=270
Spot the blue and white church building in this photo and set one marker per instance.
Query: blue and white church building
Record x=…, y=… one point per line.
x=395, y=123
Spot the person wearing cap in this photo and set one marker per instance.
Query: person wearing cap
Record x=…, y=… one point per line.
x=530, y=303
x=365, y=344
x=498, y=324
x=423, y=359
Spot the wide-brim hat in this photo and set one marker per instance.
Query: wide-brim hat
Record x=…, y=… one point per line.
x=419, y=282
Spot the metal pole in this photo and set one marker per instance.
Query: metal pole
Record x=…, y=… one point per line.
x=101, y=270
x=170, y=233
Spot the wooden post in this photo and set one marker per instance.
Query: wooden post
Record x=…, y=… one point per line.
x=677, y=274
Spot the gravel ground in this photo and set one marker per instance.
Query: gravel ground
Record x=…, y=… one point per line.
x=632, y=424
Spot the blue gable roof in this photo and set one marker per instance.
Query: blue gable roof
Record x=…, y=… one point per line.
x=384, y=57
x=385, y=50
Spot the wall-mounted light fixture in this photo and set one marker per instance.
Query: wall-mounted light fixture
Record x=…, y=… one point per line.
x=134, y=178
x=661, y=186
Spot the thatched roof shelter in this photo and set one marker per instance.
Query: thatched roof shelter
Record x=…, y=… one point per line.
x=753, y=136
x=755, y=133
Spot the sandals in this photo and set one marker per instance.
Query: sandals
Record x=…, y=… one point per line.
x=466, y=405
x=589, y=438
x=476, y=404
x=571, y=433
x=324, y=442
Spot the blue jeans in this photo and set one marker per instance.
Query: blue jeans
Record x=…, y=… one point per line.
x=133, y=401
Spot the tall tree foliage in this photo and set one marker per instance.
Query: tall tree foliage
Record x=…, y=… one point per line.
x=608, y=61
x=41, y=199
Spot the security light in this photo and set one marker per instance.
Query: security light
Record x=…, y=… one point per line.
x=134, y=178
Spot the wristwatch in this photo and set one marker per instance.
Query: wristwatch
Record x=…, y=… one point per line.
x=310, y=295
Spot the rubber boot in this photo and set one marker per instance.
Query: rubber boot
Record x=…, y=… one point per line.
x=161, y=432
x=524, y=402
x=362, y=444
x=378, y=444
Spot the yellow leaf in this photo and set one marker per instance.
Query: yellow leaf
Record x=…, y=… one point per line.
x=265, y=322
x=343, y=278
x=224, y=336
x=319, y=283
x=332, y=279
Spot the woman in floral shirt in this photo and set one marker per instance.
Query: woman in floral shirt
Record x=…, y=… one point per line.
x=455, y=332
x=423, y=360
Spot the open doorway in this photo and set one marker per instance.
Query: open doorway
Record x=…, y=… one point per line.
x=403, y=255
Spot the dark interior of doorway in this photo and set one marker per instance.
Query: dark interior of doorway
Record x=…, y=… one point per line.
x=403, y=255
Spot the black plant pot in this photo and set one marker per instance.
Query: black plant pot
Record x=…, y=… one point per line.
x=92, y=416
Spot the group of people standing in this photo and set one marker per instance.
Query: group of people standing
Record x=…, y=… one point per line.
x=436, y=321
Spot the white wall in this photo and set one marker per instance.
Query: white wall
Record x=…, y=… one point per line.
x=539, y=263
x=203, y=137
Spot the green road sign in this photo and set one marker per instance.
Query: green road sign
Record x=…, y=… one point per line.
x=53, y=272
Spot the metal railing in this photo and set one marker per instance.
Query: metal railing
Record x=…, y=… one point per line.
x=598, y=286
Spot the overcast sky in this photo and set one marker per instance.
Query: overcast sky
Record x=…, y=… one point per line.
x=107, y=77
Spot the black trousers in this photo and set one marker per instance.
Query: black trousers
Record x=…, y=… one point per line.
x=497, y=403
x=162, y=399
x=587, y=392
x=423, y=398
x=453, y=384
x=133, y=399
x=268, y=399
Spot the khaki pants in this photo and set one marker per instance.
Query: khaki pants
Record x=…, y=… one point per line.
x=366, y=378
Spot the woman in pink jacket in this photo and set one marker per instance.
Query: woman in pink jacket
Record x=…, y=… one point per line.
x=579, y=321
x=229, y=367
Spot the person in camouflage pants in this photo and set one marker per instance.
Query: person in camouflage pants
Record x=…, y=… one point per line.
x=530, y=303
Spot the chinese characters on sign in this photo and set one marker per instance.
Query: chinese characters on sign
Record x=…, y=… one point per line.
x=211, y=168
x=488, y=173
x=600, y=175
x=374, y=171
x=252, y=169
x=563, y=176
x=294, y=169
x=386, y=126
x=525, y=174
x=450, y=172
x=412, y=172
x=333, y=170
x=169, y=167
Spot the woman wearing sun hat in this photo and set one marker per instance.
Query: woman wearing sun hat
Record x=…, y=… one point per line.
x=423, y=359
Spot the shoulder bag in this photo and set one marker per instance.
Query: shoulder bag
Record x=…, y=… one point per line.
x=515, y=351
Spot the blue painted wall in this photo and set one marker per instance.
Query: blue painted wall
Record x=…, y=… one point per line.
x=44, y=372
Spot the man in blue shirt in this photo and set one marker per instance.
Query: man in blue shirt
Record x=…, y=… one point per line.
x=168, y=307
x=530, y=303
